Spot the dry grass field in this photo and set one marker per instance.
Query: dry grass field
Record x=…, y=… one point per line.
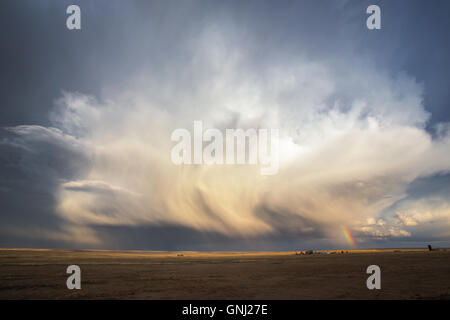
x=405, y=274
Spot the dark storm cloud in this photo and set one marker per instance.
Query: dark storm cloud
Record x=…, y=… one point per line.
x=40, y=59
x=179, y=238
x=32, y=168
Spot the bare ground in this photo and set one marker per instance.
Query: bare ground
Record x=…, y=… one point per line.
x=405, y=274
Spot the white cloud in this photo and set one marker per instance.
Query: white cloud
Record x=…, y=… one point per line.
x=353, y=139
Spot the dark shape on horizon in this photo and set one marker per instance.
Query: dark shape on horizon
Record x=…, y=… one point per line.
x=435, y=249
x=303, y=252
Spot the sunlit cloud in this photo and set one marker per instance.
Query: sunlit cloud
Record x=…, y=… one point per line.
x=354, y=132
x=349, y=146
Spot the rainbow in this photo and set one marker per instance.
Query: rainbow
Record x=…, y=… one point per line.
x=348, y=236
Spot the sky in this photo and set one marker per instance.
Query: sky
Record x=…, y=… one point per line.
x=86, y=118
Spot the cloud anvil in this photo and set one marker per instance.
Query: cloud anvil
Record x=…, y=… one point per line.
x=87, y=139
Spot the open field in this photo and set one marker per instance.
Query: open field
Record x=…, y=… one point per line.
x=405, y=274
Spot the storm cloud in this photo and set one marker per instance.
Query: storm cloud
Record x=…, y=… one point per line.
x=86, y=143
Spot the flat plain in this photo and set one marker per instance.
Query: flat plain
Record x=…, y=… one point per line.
x=405, y=274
